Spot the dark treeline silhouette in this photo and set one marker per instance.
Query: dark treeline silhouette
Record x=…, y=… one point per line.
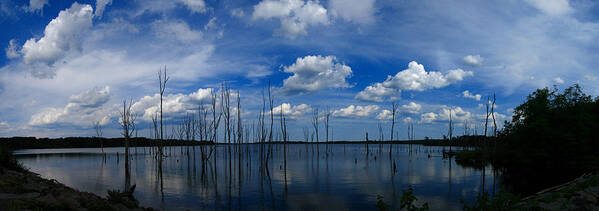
x=88, y=142
x=552, y=138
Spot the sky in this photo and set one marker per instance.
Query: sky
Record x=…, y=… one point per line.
x=66, y=64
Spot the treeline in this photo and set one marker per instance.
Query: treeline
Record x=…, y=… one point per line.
x=88, y=142
x=553, y=137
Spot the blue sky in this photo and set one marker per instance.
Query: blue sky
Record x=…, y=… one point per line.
x=66, y=64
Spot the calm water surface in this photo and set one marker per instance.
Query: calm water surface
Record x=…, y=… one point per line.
x=346, y=179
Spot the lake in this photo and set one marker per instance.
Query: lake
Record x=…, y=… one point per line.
x=348, y=178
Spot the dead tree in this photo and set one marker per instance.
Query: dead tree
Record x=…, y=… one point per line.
x=315, y=116
x=327, y=115
x=493, y=116
x=162, y=79
x=393, y=111
x=450, y=132
x=272, y=120
x=127, y=123
x=487, y=116
x=98, y=128
x=381, y=136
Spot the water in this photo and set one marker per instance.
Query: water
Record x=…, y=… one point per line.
x=346, y=179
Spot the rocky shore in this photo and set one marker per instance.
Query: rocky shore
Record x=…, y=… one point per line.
x=579, y=194
x=25, y=190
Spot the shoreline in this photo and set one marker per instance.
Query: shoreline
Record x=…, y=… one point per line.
x=26, y=190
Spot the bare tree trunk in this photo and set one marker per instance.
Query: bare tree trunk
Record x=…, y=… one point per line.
x=271, y=101
x=393, y=111
x=327, y=115
x=315, y=116
x=162, y=80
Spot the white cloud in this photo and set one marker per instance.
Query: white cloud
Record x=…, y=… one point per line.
x=291, y=111
x=61, y=35
x=417, y=79
x=414, y=78
x=313, y=73
x=178, y=30
x=237, y=12
x=81, y=110
x=356, y=111
x=4, y=124
x=384, y=115
x=551, y=7
x=558, y=80
x=411, y=108
x=467, y=94
x=458, y=116
x=378, y=93
x=35, y=5
x=358, y=11
x=407, y=120
x=196, y=6
x=295, y=15
x=473, y=60
x=12, y=51
x=101, y=6
x=173, y=105
x=428, y=117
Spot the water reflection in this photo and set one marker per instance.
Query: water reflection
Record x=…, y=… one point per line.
x=343, y=177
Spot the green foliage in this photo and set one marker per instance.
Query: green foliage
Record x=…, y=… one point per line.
x=380, y=204
x=552, y=138
x=406, y=202
x=408, y=199
x=477, y=158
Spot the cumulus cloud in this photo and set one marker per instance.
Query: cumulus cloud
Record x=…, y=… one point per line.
x=36, y=5
x=378, y=93
x=558, y=80
x=101, y=6
x=358, y=11
x=458, y=115
x=12, y=51
x=295, y=15
x=81, y=109
x=177, y=29
x=473, y=60
x=384, y=115
x=292, y=111
x=428, y=117
x=551, y=7
x=195, y=6
x=467, y=94
x=356, y=111
x=61, y=35
x=411, y=108
x=313, y=73
x=173, y=105
x=415, y=78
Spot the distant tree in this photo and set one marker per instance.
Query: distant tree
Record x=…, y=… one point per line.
x=98, y=129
